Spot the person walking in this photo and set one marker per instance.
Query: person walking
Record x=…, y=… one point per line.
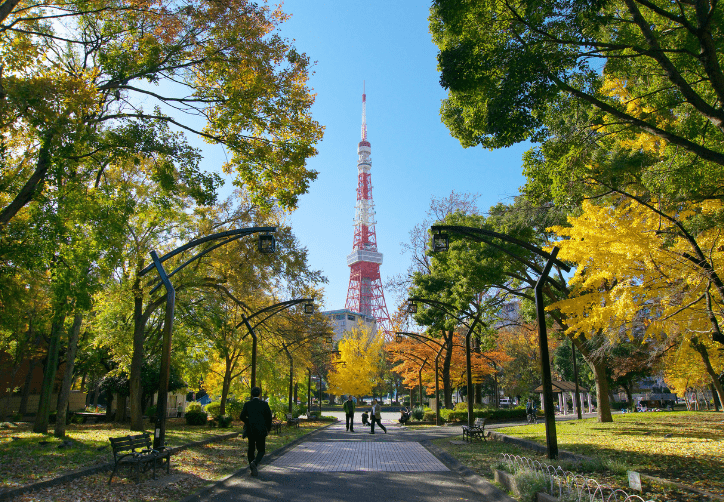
x=349, y=412
x=376, y=416
x=257, y=418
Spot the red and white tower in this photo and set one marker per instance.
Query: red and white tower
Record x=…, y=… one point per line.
x=365, y=293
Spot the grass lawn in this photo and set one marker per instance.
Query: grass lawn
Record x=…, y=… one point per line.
x=693, y=454
x=25, y=461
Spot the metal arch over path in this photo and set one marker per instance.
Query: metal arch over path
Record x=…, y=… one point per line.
x=157, y=263
x=485, y=236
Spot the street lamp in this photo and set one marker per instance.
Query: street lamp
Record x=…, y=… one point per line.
x=411, y=307
x=471, y=329
x=440, y=242
x=274, y=309
x=399, y=337
x=228, y=236
x=482, y=235
x=267, y=244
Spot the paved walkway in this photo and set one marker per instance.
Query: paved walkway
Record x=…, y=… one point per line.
x=334, y=465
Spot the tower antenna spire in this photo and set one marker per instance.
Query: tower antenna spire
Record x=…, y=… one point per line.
x=364, y=112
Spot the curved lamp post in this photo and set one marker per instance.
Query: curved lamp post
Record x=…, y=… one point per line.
x=309, y=382
x=271, y=310
x=266, y=246
x=435, y=303
x=398, y=338
x=440, y=242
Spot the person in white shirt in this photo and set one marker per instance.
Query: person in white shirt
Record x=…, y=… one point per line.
x=376, y=416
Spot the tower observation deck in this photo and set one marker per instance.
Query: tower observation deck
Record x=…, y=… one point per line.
x=365, y=294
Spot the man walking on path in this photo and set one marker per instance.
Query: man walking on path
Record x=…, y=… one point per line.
x=349, y=412
x=257, y=418
x=377, y=416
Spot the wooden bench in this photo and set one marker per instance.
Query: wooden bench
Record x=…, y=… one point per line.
x=477, y=430
x=291, y=420
x=136, y=451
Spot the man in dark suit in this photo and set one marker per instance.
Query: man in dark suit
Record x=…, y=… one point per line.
x=257, y=418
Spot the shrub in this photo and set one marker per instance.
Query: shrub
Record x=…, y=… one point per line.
x=196, y=417
x=529, y=483
x=418, y=412
x=429, y=416
x=299, y=409
x=213, y=408
x=453, y=416
x=223, y=421
x=461, y=407
x=234, y=406
x=193, y=406
x=151, y=413
x=278, y=408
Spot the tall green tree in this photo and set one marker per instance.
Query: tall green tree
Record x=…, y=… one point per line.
x=636, y=68
x=103, y=85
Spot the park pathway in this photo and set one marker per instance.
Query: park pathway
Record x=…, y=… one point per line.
x=333, y=465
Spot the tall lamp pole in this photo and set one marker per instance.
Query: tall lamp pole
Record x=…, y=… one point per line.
x=266, y=246
x=471, y=328
x=440, y=242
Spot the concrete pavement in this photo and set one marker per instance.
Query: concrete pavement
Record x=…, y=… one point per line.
x=335, y=465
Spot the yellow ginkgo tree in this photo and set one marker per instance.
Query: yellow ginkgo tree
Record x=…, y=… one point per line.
x=358, y=363
x=641, y=272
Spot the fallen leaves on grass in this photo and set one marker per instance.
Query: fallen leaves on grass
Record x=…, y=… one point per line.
x=190, y=470
x=692, y=454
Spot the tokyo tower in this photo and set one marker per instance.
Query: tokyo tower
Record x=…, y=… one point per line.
x=365, y=294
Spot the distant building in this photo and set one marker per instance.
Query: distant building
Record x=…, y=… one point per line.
x=347, y=320
x=508, y=314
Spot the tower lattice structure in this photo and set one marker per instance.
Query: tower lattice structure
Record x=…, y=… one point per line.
x=365, y=294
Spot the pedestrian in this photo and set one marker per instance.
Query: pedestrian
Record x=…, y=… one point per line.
x=349, y=412
x=257, y=419
x=376, y=416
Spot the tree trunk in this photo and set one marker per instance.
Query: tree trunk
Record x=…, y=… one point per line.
x=121, y=409
x=715, y=395
x=598, y=365
x=603, y=410
x=109, y=405
x=64, y=393
x=704, y=353
x=96, y=393
x=447, y=388
x=226, y=384
x=134, y=379
x=23, y=410
x=46, y=391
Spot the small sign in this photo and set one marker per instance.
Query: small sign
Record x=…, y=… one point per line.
x=634, y=480
x=158, y=433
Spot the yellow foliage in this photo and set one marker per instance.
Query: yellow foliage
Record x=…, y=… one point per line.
x=630, y=269
x=358, y=364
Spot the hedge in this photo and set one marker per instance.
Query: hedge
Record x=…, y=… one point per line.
x=489, y=413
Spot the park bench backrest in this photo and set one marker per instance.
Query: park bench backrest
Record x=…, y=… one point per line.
x=130, y=443
x=479, y=422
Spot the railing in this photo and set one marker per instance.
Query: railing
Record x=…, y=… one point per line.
x=570, y=486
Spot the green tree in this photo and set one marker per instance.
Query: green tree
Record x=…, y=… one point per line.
x=634, y=68
x=98, y=89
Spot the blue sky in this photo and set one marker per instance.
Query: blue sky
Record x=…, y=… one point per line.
x=388, y=45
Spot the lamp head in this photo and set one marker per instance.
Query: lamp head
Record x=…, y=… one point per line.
x=267, y=244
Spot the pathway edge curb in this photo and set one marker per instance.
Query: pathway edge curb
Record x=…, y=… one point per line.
x=491, y=492
x=203, y=493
